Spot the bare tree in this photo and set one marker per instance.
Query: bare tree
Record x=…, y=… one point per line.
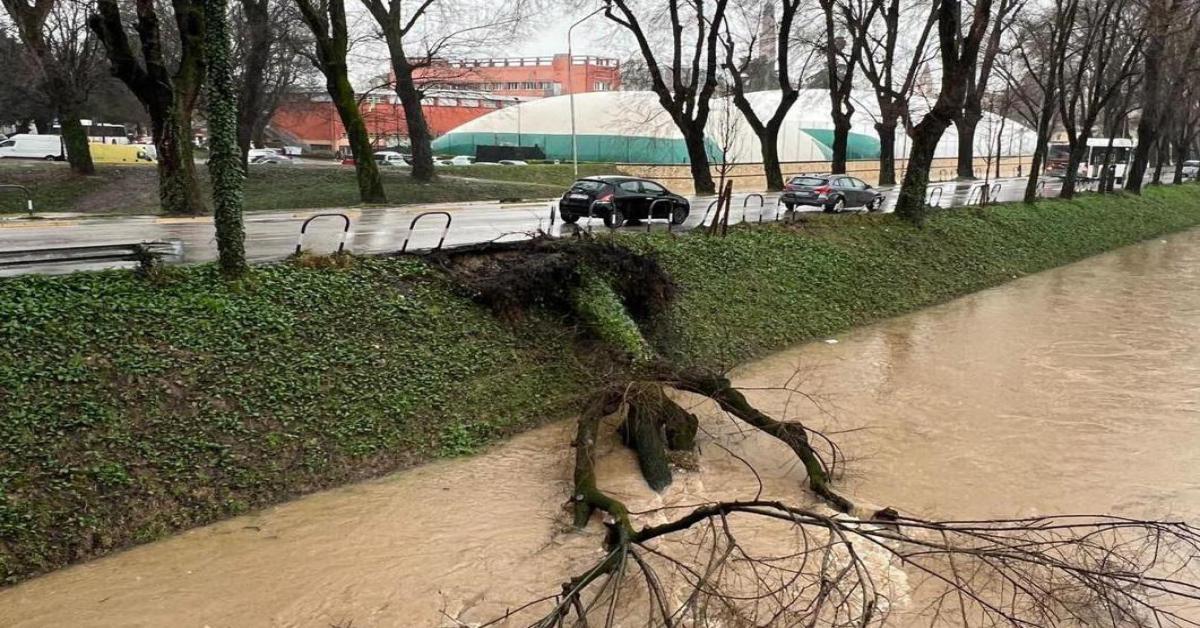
x=840, y=64
x=1104, y=49
x=958, y=53
x=417, y=33
x=879, y=63
x=1171, y=26
x=266, y=40
x=1041, y=52
x=63, y=55
x=977, y=86
x=168, y=95
x=1187, y=124
x=688, y=97
x=768, y=131
x=331, y=39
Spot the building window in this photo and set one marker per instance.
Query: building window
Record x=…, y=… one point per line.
x=601, y=86
x=468, y=102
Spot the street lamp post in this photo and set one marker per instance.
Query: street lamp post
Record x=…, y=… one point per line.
x=571, y=89
x=518, y=108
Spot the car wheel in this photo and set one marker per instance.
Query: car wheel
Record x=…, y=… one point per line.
x=838, y=206
x=789, y=206
x=614, y=219
x=875, y=205
x=570, y=219
x=679, y=214
x=51, y=158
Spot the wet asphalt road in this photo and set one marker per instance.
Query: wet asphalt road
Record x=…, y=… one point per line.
x=273, y=235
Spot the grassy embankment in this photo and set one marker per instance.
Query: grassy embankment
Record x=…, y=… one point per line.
x=132, y=189
x=131, y=408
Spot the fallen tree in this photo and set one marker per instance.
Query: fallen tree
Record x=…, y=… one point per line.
x=848, y=566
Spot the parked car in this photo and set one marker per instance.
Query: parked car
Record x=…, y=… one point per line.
x=1191, y=169
x=513, y=162
x=23, y=145
x=833, y=193
x=618, y=199
x=267, y=156
x=391, y=158
x=271, y=159
x=458, y=160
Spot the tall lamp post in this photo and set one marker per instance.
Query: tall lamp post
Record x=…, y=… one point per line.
x=571, y=88
x=518, y=108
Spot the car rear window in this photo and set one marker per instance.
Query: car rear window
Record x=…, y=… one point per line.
x=588, y=185
x=809, y=181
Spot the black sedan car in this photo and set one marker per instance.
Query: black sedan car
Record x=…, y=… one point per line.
x=831, y=192
x=619, y=199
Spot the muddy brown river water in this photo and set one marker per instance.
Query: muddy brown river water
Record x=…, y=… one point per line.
x=1075, y=390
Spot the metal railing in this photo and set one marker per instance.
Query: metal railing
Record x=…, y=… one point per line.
x=304, y=228
x=746, y=202
x=650, y=212
x=22, y=189
x=413, y=225
x=934, y=196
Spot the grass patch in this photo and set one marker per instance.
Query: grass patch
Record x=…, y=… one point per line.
x=133, y=407
x=558, y=175
x=133, y=189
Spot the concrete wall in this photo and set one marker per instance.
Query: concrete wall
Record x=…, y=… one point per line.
x=749, y=177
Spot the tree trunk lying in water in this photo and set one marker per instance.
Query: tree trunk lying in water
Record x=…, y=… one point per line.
x=1090, y=570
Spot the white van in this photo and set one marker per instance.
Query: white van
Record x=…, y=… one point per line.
x=22, y=145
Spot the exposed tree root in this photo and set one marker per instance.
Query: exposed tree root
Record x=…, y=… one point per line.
x=792, y=433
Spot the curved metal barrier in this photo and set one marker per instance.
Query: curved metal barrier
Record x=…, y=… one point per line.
x=994, y=193
x=935, y=193
x=650, y=212
x=746, y=201
x=304, y=228
x=413, y=225
x=553, y=213
x=707, y=210
x=976, y=196
x=1041, y=188
x=24, y=190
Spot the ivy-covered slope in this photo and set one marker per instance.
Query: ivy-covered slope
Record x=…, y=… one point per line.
x=131, y=408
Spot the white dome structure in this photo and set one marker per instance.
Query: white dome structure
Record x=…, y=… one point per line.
x=632, y=127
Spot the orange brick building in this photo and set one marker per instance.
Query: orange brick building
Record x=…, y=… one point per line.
x=309, y=119
x=525, y=77
x=456, y=92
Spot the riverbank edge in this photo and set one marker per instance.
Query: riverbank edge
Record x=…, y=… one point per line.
x=135, y=407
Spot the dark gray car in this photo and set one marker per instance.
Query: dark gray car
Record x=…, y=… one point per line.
x=831, y=192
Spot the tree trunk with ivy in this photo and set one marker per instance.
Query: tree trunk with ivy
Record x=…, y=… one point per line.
x=225, y=156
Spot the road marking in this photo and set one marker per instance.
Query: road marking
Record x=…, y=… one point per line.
x=34, y=224
x=182, y=220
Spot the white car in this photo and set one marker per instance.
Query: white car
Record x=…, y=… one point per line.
x=513, y=162
x=1191, y=169
x=391, y=158
x=23, y=145
x=459, y=160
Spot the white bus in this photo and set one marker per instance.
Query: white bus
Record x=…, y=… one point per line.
x=1093, y=159
x=101, y=132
